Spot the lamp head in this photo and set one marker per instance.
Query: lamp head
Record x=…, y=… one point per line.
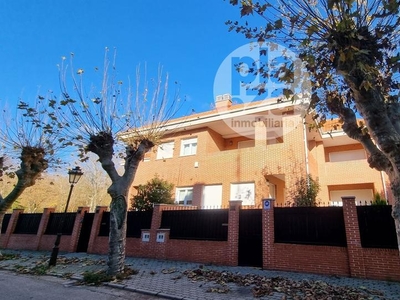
x=74, y=175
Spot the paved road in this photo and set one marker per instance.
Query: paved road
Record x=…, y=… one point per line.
x=23, y=287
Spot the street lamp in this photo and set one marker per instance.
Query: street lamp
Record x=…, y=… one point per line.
x=74, y=175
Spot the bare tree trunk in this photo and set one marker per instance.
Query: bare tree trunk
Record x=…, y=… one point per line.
x=383, y=130
x=119, y=191
x=117, y=237
x=33, y=164
x=395, y=187
x=1, y=226
x=381, y=140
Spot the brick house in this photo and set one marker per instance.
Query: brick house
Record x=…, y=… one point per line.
x=257, y=150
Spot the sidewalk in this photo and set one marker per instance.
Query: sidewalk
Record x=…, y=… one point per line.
x=180, y=280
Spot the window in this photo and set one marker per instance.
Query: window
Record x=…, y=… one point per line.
x=360, y=194
x=347, y=155
x=189, y=147
x=146, y=157
x=244, y=192
x=272, y=190
x=165, y=150
x=212, y=196
x=184, y=196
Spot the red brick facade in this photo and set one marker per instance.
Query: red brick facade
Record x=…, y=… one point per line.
x=273, y=158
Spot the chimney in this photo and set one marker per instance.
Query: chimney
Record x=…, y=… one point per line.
x=223, y=102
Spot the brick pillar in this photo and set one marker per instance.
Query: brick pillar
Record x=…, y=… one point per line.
x=11, y=226
x=233, y=231
x=95, y=227
x=43, y=225
x=155, y=226
x=156, y=218
x=268, y=233
x=354, y=249
x=160, y=244
x=76, y=231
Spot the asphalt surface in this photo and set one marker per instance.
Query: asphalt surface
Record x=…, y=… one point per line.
x=181, y=280
x=16, y=286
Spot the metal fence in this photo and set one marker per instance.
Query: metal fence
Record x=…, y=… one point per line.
x=208, y=224
x=310, y=225
x=28, y=223
x=137, y=220
x=105, y=224
x=293, y=225
x=377, y=228
x=55, y=220
x=4, y=225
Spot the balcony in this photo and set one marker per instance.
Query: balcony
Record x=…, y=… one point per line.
x=347, y=172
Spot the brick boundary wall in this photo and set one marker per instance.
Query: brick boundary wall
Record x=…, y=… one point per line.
x=41, y=238
x=98, y=244
x=353, y=260
x=10, y=229
x=80, y=214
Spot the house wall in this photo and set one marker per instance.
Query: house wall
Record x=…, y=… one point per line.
x=344, y=175
x=219, y=161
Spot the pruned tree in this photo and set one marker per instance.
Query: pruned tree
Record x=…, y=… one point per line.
x=350, y=51
x=119, y=126
x=155, y=191
x=27, y=150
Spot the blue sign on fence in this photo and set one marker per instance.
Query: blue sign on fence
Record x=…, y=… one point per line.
x=267, y=204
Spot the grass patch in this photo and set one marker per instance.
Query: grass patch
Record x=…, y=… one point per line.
x=7, y=256
x=39, y=269
x=98, y=277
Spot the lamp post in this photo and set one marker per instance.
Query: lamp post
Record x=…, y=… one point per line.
x=74, y=175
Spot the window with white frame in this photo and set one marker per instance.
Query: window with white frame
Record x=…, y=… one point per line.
x=184, y=196
x=189, y=147
x=347, y=155
x=165, y=150
x=361, y=195
x=244, y=192
x=212, y=196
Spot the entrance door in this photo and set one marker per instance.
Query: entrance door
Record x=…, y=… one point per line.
x=250, y=237
x=86, y=229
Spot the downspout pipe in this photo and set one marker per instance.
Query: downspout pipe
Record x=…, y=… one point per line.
x=306, y=152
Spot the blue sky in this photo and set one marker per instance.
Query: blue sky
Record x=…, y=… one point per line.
x=189, y=38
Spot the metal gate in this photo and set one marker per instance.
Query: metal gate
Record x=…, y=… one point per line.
x=86, y=229
x=250, y=237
